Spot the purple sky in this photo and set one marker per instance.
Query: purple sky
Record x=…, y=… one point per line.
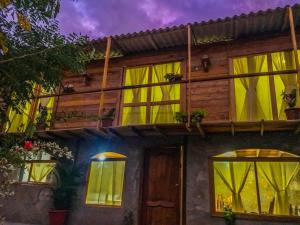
x=98, y=18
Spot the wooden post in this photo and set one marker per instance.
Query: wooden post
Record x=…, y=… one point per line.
x=295, y=48
x=104, y=81
x=189, y=72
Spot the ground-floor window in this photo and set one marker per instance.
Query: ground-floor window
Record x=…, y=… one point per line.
x=39, y=169
x=106, y=178
x=257, y=182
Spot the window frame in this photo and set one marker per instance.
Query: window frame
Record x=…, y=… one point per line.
x=148, y=104
x=260, y=217
x=88, y=178
x=29, y=173
x=232, y=100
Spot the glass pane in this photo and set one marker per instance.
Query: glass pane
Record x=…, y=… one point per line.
x=233, y=182
x=160, y=70
x=164, y=113
x=253, y=100
x=41, y=172
x=165, y=93
x=135, y=95
x=278, y=185
x=105, y=185
x=134, y=115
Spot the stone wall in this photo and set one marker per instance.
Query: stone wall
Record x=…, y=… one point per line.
x=31, y=202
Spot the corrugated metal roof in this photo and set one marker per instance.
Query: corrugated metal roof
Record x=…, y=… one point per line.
x=271, y=21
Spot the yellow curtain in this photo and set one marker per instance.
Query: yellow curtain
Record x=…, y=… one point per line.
x=18, y=122
x=283, y=83
x=105, y=185
x=234, y=176
x=164, y=113
x=40, y=171
x=279, y=176
x=135, y=115
x=252, y=94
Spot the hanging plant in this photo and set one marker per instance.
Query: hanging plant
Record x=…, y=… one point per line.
x=198, y=115
x=172, y=77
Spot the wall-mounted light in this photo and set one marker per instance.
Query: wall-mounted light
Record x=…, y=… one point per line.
x=205, y=63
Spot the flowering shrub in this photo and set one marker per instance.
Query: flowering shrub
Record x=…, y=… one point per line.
x=15, y=156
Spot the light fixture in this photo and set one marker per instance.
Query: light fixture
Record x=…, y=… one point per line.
x=205, y=63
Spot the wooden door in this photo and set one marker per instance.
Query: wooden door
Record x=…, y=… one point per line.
x=161, y=187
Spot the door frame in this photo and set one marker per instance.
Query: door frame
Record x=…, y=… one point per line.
x=182, y=175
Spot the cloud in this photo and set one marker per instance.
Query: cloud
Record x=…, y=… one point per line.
x=98, y=18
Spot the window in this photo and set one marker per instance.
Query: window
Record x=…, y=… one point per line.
x=150, y=104
x=257, y=182
x=18, y=122
x=38, y=170
x=260, y=97
x=106, y=178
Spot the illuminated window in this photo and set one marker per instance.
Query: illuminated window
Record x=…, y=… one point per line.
x=106, y=178
x=38, y=170
x=150, y=104
x=259, y=97
x=40, y=109
x=271, y=176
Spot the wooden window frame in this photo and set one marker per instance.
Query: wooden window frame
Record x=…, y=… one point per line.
x=87, y=184
x=232, y=102
x=148, y=104
x=29, y=173
x=260, y=217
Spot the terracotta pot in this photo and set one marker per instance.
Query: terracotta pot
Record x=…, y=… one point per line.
x=107, y=122
x=292, y=113
x=58, y=217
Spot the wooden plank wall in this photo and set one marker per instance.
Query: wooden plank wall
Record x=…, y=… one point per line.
x=213, y=96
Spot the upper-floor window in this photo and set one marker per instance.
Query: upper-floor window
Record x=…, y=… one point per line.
x=260, y=97
x=37, y=110
x=156, y=104
x=39, y=169
x=106, y=178
x=257, y=182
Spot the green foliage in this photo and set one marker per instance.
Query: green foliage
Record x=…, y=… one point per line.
x=172, y=77
x=68, y=178
x=198, y=115
x=34, y=52
x=290, y=98
x=229, y=216
x=181, y=117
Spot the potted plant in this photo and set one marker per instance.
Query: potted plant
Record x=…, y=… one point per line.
x=63, y=193
x=172, y=77
x=292, y=113
x=229, y=216
x=68, y=88
x=198, y=115
x=108, y=117
x=42, y=121
x=181, y=117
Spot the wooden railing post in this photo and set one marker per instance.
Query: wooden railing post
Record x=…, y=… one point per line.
x=189, y=69
x=104, y=81
x=295, y=49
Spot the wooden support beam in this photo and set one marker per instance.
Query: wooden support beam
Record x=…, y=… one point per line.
x=295, y=48
x=115, y=133
x=188, y=127
x=297, y=130
x=200, y=129
x=189, y=70
x=104, y=81
x=137, y=132
x=232, y=128
x=262, y=128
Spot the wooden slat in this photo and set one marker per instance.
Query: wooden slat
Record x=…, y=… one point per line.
x=189, y=66
x=104, y=80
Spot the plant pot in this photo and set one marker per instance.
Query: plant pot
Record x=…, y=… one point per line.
x=58, y=217
x=107, y=122
x=292, y=113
